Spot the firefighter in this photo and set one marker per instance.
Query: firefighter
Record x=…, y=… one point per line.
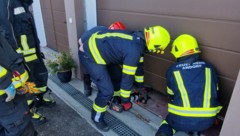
x=192, y=86
x=102, y=50
x=19, y=22
x=86, y=77
x=15, y=119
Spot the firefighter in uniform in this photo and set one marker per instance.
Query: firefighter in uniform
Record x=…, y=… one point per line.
x=86, y=77
x=15, y=119
x=20, y=20
x=192, y=86
x=102, y=50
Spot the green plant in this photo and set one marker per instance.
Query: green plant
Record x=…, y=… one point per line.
x=63, y=62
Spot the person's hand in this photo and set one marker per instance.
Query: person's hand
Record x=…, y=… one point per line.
x=10, y=91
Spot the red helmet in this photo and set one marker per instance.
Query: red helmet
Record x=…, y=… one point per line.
x=117, y=26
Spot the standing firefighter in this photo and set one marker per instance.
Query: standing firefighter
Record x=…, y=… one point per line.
x=20, y=28
x=15, y=119
x=192, y=85
x=102, y=51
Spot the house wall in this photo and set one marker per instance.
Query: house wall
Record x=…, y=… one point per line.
x=215, y=24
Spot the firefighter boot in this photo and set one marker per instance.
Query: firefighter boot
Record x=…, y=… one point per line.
x=87, y=85
x=115, y=104
x=37, y=118
x=40, y=101
x=98, y=119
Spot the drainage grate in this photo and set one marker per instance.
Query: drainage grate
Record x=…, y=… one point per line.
x=115, y=124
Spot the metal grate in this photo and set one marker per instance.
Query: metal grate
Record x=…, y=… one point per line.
x=115, y=124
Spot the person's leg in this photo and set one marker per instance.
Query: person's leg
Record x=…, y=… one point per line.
x=165, y=129
x=18, y=120
x=1, y=131
x=39, y=76
x=115, y=72
x=100, y=77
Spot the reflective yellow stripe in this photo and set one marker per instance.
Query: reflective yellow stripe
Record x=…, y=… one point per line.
x=193, y=112
x=99, y=109
x=29, y=102
x=207, y=90
x=42, y=89
x=123, y=36
x=141, y=60
x=19, y=82
x=139, y=79
x=2, y=92
x=182, y=89
x=125, y=93
x=24, y=42
x=116, y=93
x=94, y=50
x=93, y=46
x=30, y=58
x=169, y=91
x=129, y=70
x=19, y=50
x=3, y=71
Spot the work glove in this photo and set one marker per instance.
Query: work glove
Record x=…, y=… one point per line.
x=10, y=91
x=30, y=88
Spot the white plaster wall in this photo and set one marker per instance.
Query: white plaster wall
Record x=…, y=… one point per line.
x=37, y=13
x=91, y=13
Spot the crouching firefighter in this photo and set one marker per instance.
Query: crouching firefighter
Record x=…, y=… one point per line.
x=192, y=86
x=104, y=50
x=29, y=46
x=15, y=118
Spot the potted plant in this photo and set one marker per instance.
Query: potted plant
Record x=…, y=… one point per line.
x=62, y=65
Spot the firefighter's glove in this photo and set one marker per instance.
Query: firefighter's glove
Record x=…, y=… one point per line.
x=10, y=91
x=29, y=88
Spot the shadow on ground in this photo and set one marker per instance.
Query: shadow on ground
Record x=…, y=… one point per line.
x=64, y=121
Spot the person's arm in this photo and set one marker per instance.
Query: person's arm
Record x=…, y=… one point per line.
x=6, y=27
x=139, y=76
x=129, y=69
x=169, y=76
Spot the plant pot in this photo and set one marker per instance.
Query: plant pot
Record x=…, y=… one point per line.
x=64, y=76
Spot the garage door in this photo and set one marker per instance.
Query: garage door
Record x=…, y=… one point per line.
x=54, y=19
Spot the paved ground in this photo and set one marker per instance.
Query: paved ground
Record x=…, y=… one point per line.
x=64, y=121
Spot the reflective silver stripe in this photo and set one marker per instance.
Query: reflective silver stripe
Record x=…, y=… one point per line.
x=19, y=10
x=30, y=51
x=97, y=116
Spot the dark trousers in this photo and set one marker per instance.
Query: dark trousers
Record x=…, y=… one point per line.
x=15, y=119
x=100, y=76
x=186, y=124
x=38, y=73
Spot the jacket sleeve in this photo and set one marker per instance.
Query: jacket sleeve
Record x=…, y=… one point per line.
x=129, y=69
x=169, y=77
x=5, y=78
x=139, y=76
x=5, y=25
